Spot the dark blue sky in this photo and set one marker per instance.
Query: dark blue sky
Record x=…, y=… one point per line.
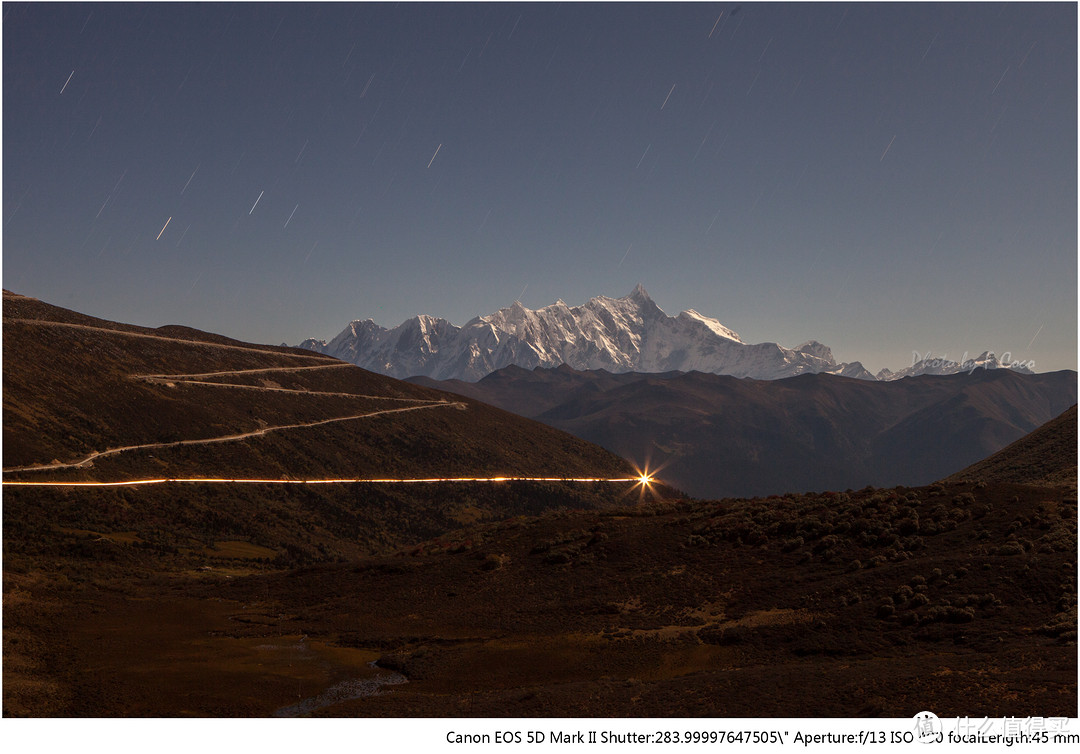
x=883, y=178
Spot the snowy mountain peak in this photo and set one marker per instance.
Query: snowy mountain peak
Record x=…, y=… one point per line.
x=639, y=293
x=816, y=349
x=713, y=325
x=623, y=334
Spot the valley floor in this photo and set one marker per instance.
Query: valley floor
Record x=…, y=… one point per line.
x=956, y=598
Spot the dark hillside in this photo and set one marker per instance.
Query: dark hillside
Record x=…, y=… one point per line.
x=183, y=403
x=1046, y=457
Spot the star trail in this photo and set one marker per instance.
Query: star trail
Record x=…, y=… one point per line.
x=884, y=178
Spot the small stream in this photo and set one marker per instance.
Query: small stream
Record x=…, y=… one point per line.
x=343, y=692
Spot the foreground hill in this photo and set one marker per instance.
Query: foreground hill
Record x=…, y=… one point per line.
x=1046, y=457
x=85, y=399
x=718, y=436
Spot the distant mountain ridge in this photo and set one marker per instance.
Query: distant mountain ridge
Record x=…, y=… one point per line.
x=628, y=334
x=716, y=436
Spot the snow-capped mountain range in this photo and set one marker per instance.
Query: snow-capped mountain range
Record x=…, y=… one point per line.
x=629, y=334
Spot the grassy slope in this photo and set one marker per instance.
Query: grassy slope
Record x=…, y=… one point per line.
x=1045, y=457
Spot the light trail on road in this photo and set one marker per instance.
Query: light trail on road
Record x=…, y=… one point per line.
x=642, y=480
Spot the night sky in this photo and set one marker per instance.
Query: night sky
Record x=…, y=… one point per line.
x=882, y=178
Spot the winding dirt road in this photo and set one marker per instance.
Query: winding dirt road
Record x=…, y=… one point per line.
x=87, y=460
x=204, y=379
x=188, y=379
